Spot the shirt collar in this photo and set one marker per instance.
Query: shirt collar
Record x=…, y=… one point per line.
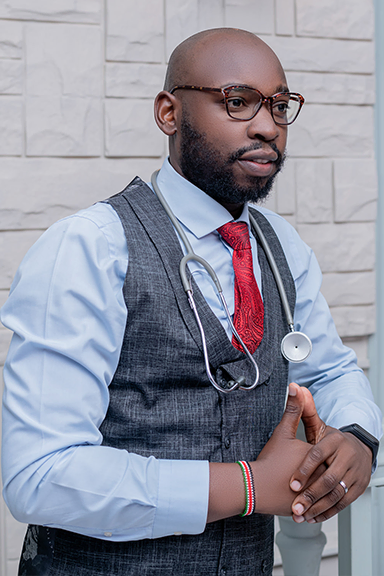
x=200, y=213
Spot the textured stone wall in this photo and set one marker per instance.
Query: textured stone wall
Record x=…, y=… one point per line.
x=77, y=80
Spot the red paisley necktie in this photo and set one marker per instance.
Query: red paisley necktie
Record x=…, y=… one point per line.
x=249, y=309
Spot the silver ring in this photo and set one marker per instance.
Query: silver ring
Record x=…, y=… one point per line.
x=343, y=484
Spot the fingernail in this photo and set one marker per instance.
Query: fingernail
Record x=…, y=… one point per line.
x=311, y=521
x=295, y=485
x=298, y=509
x=299, y=519
x=292, y=390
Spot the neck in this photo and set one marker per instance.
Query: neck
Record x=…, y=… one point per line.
x=234, y=209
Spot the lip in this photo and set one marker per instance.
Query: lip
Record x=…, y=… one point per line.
x=260, y=163
x=260, y=167
x=259, y=155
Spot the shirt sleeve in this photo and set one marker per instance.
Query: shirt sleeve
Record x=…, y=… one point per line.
x=340, y=389
x=68, y=316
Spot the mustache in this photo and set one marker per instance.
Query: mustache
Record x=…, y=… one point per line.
x=256, y=146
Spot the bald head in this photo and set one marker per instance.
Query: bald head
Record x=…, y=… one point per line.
x=231, y=159
x=221, y=49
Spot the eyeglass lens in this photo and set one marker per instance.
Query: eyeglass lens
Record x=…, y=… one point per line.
x=244, y=103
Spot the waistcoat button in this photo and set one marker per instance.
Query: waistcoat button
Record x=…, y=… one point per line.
x=264, y=566
x=223, y=571
x=227, y=442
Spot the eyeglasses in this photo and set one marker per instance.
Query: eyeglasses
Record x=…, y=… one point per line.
x=243, y=103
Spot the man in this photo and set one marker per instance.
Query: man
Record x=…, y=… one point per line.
x=117, y=449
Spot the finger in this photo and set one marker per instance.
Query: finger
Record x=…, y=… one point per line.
x=293, y=411
x=336, y=499
x=320, y=512
x=323, y=452
x=314, y=426
x=345, y=501
x=327, y=485
x=354, y=482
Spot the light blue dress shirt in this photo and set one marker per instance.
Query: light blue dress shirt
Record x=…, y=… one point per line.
x=68, y=315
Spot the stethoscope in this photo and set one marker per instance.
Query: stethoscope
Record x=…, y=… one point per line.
x=295, y=346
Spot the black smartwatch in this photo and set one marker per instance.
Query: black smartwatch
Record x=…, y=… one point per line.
x=364, y=436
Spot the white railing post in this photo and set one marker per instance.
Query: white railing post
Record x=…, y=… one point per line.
x=355, y=541
x=360, y=526
x=301, y=547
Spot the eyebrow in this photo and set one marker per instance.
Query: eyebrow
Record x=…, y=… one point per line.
x=282, y=88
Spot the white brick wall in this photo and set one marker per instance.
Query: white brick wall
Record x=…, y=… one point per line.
x=332, y=19
x=77, y=79
x=58, y=11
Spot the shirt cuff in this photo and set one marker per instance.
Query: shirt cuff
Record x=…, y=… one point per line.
x=182, y=502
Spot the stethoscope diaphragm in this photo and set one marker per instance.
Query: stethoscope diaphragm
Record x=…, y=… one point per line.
x=296, y=347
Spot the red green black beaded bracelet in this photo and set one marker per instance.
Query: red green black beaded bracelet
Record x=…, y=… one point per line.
x=249, y=487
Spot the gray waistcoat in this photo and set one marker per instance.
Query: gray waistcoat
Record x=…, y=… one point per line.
x=162, y=404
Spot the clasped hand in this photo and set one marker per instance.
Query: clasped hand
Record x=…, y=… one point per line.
x=319, y=465
x=346, y=459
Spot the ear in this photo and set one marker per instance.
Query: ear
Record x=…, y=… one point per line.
x=166, y=109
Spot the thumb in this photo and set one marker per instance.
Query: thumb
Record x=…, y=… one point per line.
x=313, y=424
x=293, y=412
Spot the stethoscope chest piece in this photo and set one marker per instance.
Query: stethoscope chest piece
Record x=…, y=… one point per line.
x=296, y=347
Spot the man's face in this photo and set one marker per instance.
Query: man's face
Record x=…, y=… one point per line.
x=206, y=167
x=232, y=160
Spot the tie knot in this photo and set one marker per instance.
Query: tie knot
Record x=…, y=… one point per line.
x=236, y=235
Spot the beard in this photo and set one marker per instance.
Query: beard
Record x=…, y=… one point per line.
x=207, y=168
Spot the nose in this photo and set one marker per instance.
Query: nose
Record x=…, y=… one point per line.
x=262, y=126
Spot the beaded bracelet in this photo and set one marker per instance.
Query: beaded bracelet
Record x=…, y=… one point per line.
x=249, y=488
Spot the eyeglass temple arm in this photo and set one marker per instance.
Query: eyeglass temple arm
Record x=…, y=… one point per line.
x=191, y=87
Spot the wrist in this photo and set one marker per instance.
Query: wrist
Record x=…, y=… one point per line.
x=365, y=438
x=260, y=483
x=362, y=444
x=226, y=491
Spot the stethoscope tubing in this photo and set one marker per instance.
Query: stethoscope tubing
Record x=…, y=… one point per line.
x=232, y=385
x=275, y=271
x=295, y=346
x=290, y=348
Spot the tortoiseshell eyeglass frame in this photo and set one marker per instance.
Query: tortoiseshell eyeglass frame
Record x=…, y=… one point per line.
x=263, y=99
